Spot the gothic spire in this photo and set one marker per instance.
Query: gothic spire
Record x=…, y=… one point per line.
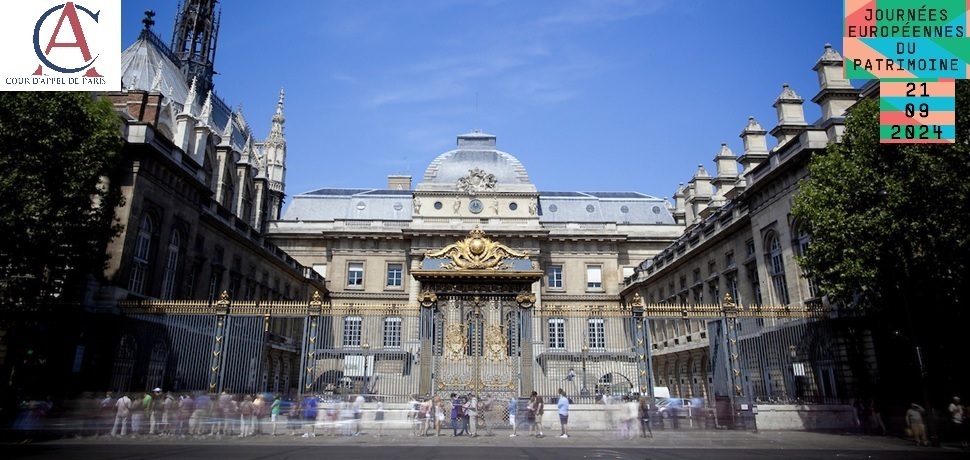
x=194, y=40
x=190, y=98
x=276, y=132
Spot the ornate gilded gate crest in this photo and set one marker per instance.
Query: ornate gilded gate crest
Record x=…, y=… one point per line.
x=476, y=252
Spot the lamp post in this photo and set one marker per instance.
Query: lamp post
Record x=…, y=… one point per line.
x=366, y=348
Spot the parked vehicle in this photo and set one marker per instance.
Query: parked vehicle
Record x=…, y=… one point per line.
x=680, y=407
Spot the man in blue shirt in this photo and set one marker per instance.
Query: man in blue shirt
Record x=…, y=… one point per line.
x=513, y=409
x=563, y=406
x=456, y=415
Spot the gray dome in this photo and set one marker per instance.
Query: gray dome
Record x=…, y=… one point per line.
x=476, y=150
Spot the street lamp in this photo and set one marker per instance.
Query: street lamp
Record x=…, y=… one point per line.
x=366, y=348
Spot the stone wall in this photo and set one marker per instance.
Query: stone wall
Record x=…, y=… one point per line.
x=795, y=417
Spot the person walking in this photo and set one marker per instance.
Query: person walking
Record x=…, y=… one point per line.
x=563, y=408
x=358, y=408
x=455, y=414
x=274, y=412
x=153, y=403
x=309, y=407
x=914, y=421
x=379, y=418
x=538, y=409
x=169, y=413
x=439, y=415
x=631, y=417
x=644, y=408
x=260, y=410
x=513, y=408
x=956, y=421
x=122, y=415
x=245, y=416
x=471, y=414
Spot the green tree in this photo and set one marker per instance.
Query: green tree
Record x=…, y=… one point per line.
x=56, y=210
x=890, y=229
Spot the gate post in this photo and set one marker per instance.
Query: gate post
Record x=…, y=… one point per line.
x=219, y=345
x=730, y=318
x=429, y=301
x=642, y=349
x=526, y=301
x=310, y=332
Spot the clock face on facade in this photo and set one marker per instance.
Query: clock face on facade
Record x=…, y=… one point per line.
x=475, y=206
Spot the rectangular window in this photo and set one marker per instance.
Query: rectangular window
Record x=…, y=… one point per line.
x=712, y=289
x=755, y=283
x=321, y=269
x=557, y=333
x=596, y=332
x=395, y=275
x=711, y=268
x=750, y=247
x=697, y=275
x=627, y=272
x=352, y=330
x=778, y=280
x=355, y=274
x=136, y=283
x=729, y=259
x=392, y=332
x=732, y=285
x=554, y=276
x=594, y=277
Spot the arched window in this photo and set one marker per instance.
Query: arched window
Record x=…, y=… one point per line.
x=776, y=264
x=143, y=245
x=171, y=265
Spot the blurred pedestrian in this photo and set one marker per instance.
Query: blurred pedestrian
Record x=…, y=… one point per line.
x=138, y=413
x=293, y=419
x=169, y=413
x=439, y=415
x=274, y=411
x=513, y=408
x=471, y=414
x=153, y=410
x=309, y=412
x=956, y=421
x=358, y=408
x=122, y=415
x=379, y=417
x=644, y=412
x=259, y=411
x=538, y=409
x=876, y=415
x=455, y=414
x=914, y=422
x=562, y=407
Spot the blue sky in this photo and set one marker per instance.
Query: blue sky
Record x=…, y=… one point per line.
x=591, y=95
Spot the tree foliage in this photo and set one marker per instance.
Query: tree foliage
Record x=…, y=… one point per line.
x=890, y=223
x=56, y=210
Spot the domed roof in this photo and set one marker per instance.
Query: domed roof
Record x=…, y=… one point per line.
x=476, y=151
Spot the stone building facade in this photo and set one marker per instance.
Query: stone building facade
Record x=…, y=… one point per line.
x=741, y=240
x=199, y=191
x=373, y=248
